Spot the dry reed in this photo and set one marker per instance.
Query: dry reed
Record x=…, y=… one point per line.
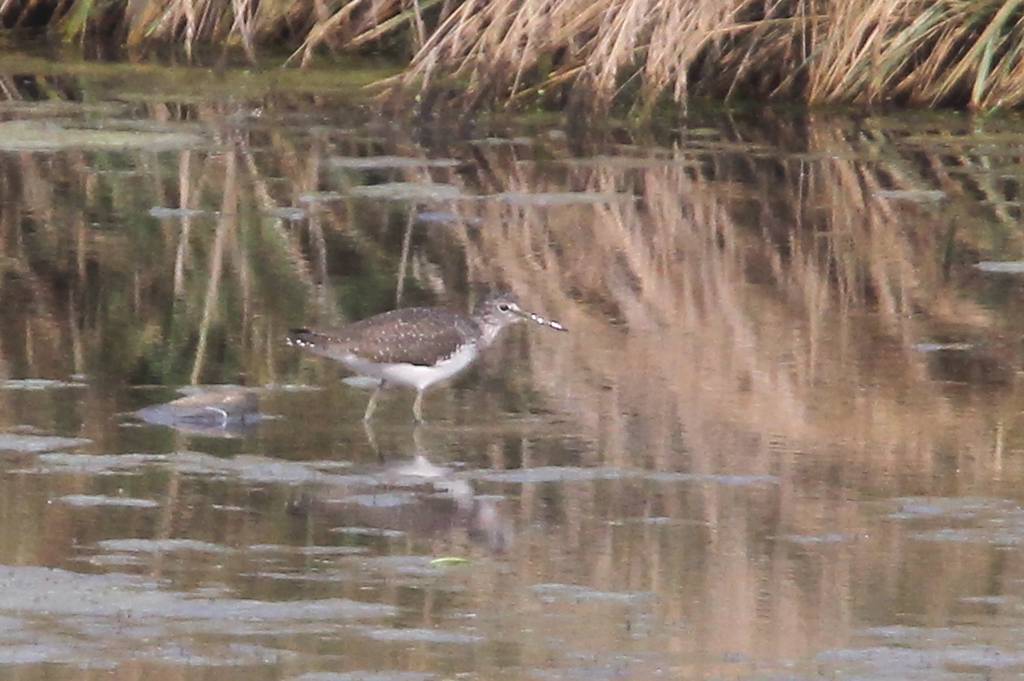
x=921, y=52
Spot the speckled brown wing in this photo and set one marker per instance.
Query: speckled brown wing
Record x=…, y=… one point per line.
x=415, y=335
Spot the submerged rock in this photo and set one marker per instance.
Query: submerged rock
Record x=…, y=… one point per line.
x=219, y=412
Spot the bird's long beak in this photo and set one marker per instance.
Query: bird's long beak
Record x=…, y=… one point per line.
x=536, y=318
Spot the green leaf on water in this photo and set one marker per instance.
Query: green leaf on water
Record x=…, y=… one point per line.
x=449, y=560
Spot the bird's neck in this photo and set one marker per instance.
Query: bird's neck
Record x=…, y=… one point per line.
x=489, y=333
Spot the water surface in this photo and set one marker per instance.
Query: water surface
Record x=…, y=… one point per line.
x=780, y=442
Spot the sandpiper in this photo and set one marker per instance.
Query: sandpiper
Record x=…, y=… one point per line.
x=416, y=347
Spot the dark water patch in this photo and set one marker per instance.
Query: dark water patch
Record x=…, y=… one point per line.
x=31, y=444
x=93, y=500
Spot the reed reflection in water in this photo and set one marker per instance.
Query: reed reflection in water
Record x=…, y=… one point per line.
x=780, y=439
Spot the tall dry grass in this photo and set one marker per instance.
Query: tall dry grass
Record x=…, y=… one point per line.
x=926, y=52
x=921, y=52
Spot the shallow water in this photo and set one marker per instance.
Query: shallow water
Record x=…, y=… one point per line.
x=781, y=441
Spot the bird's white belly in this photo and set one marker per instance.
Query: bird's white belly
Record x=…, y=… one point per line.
x=414, y=375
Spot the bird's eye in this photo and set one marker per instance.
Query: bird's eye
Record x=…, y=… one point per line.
x=504, y=308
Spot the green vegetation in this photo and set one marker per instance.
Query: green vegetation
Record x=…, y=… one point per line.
x=919, y=52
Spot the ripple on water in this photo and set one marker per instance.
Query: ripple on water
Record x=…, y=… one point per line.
x=55, y=592
x=390, y=162
x=31, y=444
x=363, y=676
x=552, y=474
x=161, y=546
x=556, y=199
x=84, y=500
x=909, y=508
x=408, y=191
x=39, y=384
x=413, y=635
x=582, y=594
x=904, y=661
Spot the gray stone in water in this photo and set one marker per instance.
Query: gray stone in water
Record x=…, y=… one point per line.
x=220, y=412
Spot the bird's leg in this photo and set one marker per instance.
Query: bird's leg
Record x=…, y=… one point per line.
x=373, y=401
x=417, y=407
x=372, y=439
